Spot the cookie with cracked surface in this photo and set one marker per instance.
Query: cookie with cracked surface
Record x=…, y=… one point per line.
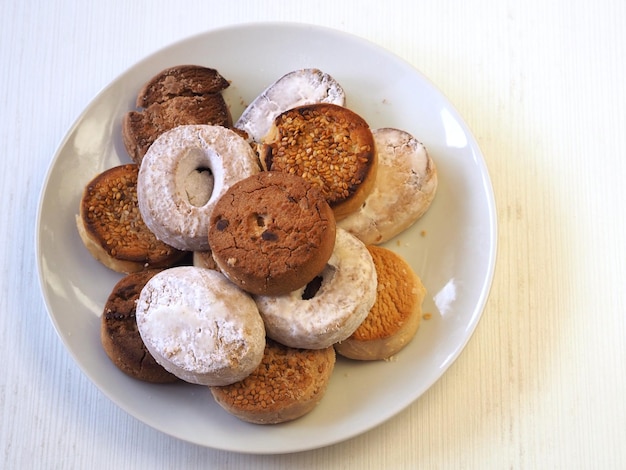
x=395, y=317
x=179, y=95
x=272, y=233
x=120, y=336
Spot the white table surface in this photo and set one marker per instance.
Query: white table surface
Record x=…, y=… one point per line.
x=541, y=384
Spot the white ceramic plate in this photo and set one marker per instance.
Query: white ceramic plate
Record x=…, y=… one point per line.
x=452, y=247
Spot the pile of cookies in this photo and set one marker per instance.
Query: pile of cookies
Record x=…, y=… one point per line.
x=251, y=250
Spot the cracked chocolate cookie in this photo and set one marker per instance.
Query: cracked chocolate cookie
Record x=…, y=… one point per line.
x=272, y=233
x=179, y=95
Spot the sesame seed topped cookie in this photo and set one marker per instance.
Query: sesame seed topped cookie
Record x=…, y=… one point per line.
x=112, y=228
x=328, y=145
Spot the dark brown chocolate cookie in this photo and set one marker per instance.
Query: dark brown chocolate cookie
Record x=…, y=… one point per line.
x=186, y=94
x=119, y=334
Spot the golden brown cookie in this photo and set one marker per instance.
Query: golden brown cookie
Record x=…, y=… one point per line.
x=328, y=145
x=394, y=319
x=184, y=94
x=119, y=334
x=111, y=227
x=288, y=384
x=272, y=233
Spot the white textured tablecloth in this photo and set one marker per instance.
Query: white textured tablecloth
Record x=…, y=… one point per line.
x=542, y=382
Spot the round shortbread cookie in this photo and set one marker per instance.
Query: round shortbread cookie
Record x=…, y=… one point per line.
x=395, y=316
x=176, y=96
x=328, y=145
x=297, y=88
